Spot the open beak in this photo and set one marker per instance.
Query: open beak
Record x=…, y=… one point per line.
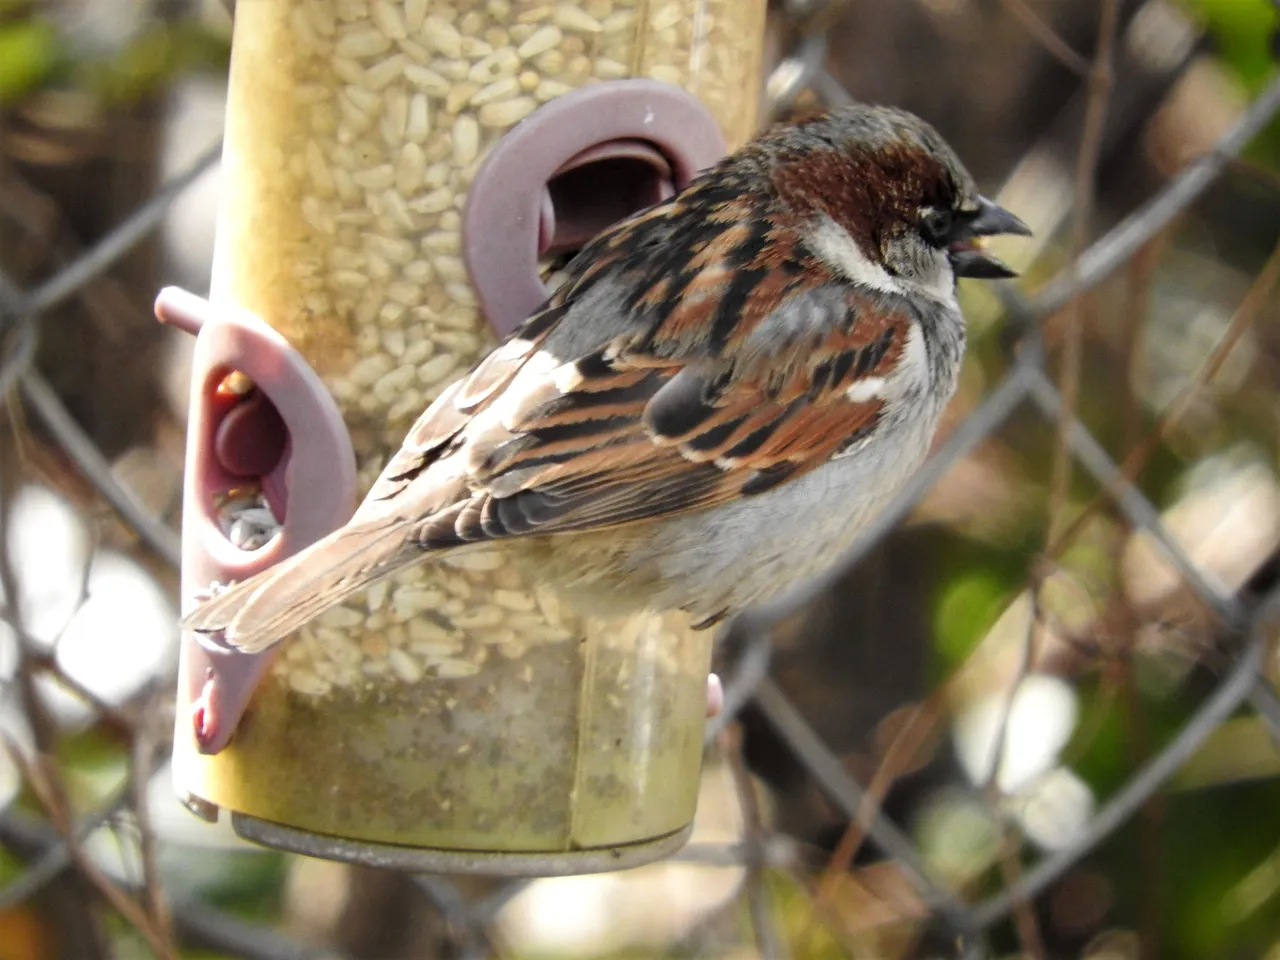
x=968, y=258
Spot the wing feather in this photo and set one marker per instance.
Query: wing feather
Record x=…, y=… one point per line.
x=655, y=421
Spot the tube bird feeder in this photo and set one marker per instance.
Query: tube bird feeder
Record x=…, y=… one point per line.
x=395, y=174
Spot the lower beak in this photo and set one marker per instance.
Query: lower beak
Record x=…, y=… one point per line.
x=968, y=258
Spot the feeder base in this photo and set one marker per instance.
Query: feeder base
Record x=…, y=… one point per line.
x=504, y=863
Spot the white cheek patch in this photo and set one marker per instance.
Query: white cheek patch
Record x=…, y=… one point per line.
x=868, y=388
x=940, y=280
x=838, y=250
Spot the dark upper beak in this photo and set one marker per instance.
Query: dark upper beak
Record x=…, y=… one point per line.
x=968, y=259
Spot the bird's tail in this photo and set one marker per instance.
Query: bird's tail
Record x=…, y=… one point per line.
x=261, y=611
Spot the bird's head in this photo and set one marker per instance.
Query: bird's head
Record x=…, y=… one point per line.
x=887, y=181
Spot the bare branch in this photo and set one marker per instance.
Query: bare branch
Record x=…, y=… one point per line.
x=836, y=783
x=1107, y=255
x=1100, y=81
x=1137, y=509
x=769, y=941
x=1141, y=452
x=119, y=241
x=1236, y=688
x=49, y=409
x=1047, y=37
x=141, y=762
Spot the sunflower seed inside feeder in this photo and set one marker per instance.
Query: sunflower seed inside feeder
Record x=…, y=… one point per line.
x=248, y=522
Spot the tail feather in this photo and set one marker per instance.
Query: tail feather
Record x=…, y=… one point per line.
x=263, y=610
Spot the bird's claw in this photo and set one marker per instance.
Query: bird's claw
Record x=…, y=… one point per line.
x=214, y=640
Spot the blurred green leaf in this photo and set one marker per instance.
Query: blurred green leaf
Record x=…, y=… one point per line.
x=1214, y=841
x=29, y=54
x=33, y=55
x=250, y=884
x=10, y=866
x=149, y=63
x=1098, y=750
x=1243, y=32
x=93, y=764
x=966, y=608
x=1240, y=749
x=803, y=928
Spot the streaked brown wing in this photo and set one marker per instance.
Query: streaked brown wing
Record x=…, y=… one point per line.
x=732, y=376
x=637, y=437
x=440, y=425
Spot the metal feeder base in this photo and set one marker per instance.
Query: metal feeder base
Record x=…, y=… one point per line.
x=505, y=863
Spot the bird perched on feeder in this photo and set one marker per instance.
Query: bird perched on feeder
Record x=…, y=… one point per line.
x=725, y=389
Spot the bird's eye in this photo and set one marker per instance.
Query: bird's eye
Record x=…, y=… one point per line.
x=936, y=227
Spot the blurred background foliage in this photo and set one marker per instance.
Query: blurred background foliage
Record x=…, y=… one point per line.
x=38, y=52
x=940, y=609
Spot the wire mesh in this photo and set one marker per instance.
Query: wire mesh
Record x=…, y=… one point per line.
x=53, y=845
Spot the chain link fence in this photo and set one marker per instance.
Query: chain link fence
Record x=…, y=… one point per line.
x=53, y=846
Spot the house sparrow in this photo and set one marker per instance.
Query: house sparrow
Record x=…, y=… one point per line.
x=724, y=390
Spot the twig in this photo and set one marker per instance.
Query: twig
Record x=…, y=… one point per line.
x=199, y=923
x=1026, y=658
x=1025, y=922
x=1048, y=38
x=907, y=741
x=1095, y=117
x=1137, y=509
x=1236, y=688
x=56, y=856
x=765, y=930
x=1150, y=816
x=1024, y=916
x=1139, y=283
x=44, y=734
x=119, y=241
x=1138, y=455
x=836, y=783
x=1106, y=255
x=141, y=760
x=48, y=789
x=48, y=665
x=903, y=749
x=49, y=409
x=40, y=661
